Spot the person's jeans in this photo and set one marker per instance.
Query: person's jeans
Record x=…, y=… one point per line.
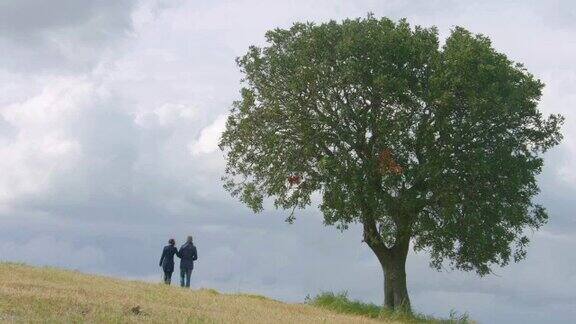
x=167, y=277
x=185, y=275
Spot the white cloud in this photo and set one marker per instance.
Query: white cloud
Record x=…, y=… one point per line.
x=166, y=115
x=209, y=137
x=41, y=147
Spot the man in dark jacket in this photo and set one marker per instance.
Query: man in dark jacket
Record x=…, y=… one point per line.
x=167, y=260
x=187, y=255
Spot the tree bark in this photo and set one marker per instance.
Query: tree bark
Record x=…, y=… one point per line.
x=393, y=262
x=395, y=289
x=388, y=289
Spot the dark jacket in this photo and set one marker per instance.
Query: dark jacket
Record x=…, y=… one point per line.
x=188, y=255
x=167, y=258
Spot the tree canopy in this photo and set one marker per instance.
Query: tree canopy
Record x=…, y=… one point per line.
x=435, y=145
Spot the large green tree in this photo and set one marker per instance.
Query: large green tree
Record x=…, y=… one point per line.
x=432, y=146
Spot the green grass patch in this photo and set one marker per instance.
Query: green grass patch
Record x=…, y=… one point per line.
x=342, y=304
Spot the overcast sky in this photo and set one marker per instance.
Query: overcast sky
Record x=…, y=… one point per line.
x=110, y=112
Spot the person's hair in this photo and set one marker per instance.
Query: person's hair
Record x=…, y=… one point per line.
x=171, y=241
x=189, y=238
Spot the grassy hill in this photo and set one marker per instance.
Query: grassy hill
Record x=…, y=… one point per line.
x=30, y=294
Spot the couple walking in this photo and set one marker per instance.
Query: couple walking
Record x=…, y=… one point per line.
x=187, y=254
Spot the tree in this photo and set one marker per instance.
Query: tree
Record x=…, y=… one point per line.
x=432, y=146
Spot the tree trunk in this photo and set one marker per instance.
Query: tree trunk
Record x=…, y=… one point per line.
x=395, y=289
x=393, y=262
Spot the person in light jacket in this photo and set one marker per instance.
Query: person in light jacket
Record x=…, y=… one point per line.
x=187, y=254
x=167, y=260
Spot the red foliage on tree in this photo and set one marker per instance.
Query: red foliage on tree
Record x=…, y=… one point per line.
x=387, y=163
x=294, y=180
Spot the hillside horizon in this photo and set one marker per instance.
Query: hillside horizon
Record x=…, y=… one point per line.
x=48, y=294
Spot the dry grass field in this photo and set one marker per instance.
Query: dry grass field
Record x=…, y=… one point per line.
x=48, y=295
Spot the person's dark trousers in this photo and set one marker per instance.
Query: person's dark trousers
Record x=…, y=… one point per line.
x=167, y=277
x=185, y=275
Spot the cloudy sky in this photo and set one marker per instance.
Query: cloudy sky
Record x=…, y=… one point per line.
x=110, y=112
